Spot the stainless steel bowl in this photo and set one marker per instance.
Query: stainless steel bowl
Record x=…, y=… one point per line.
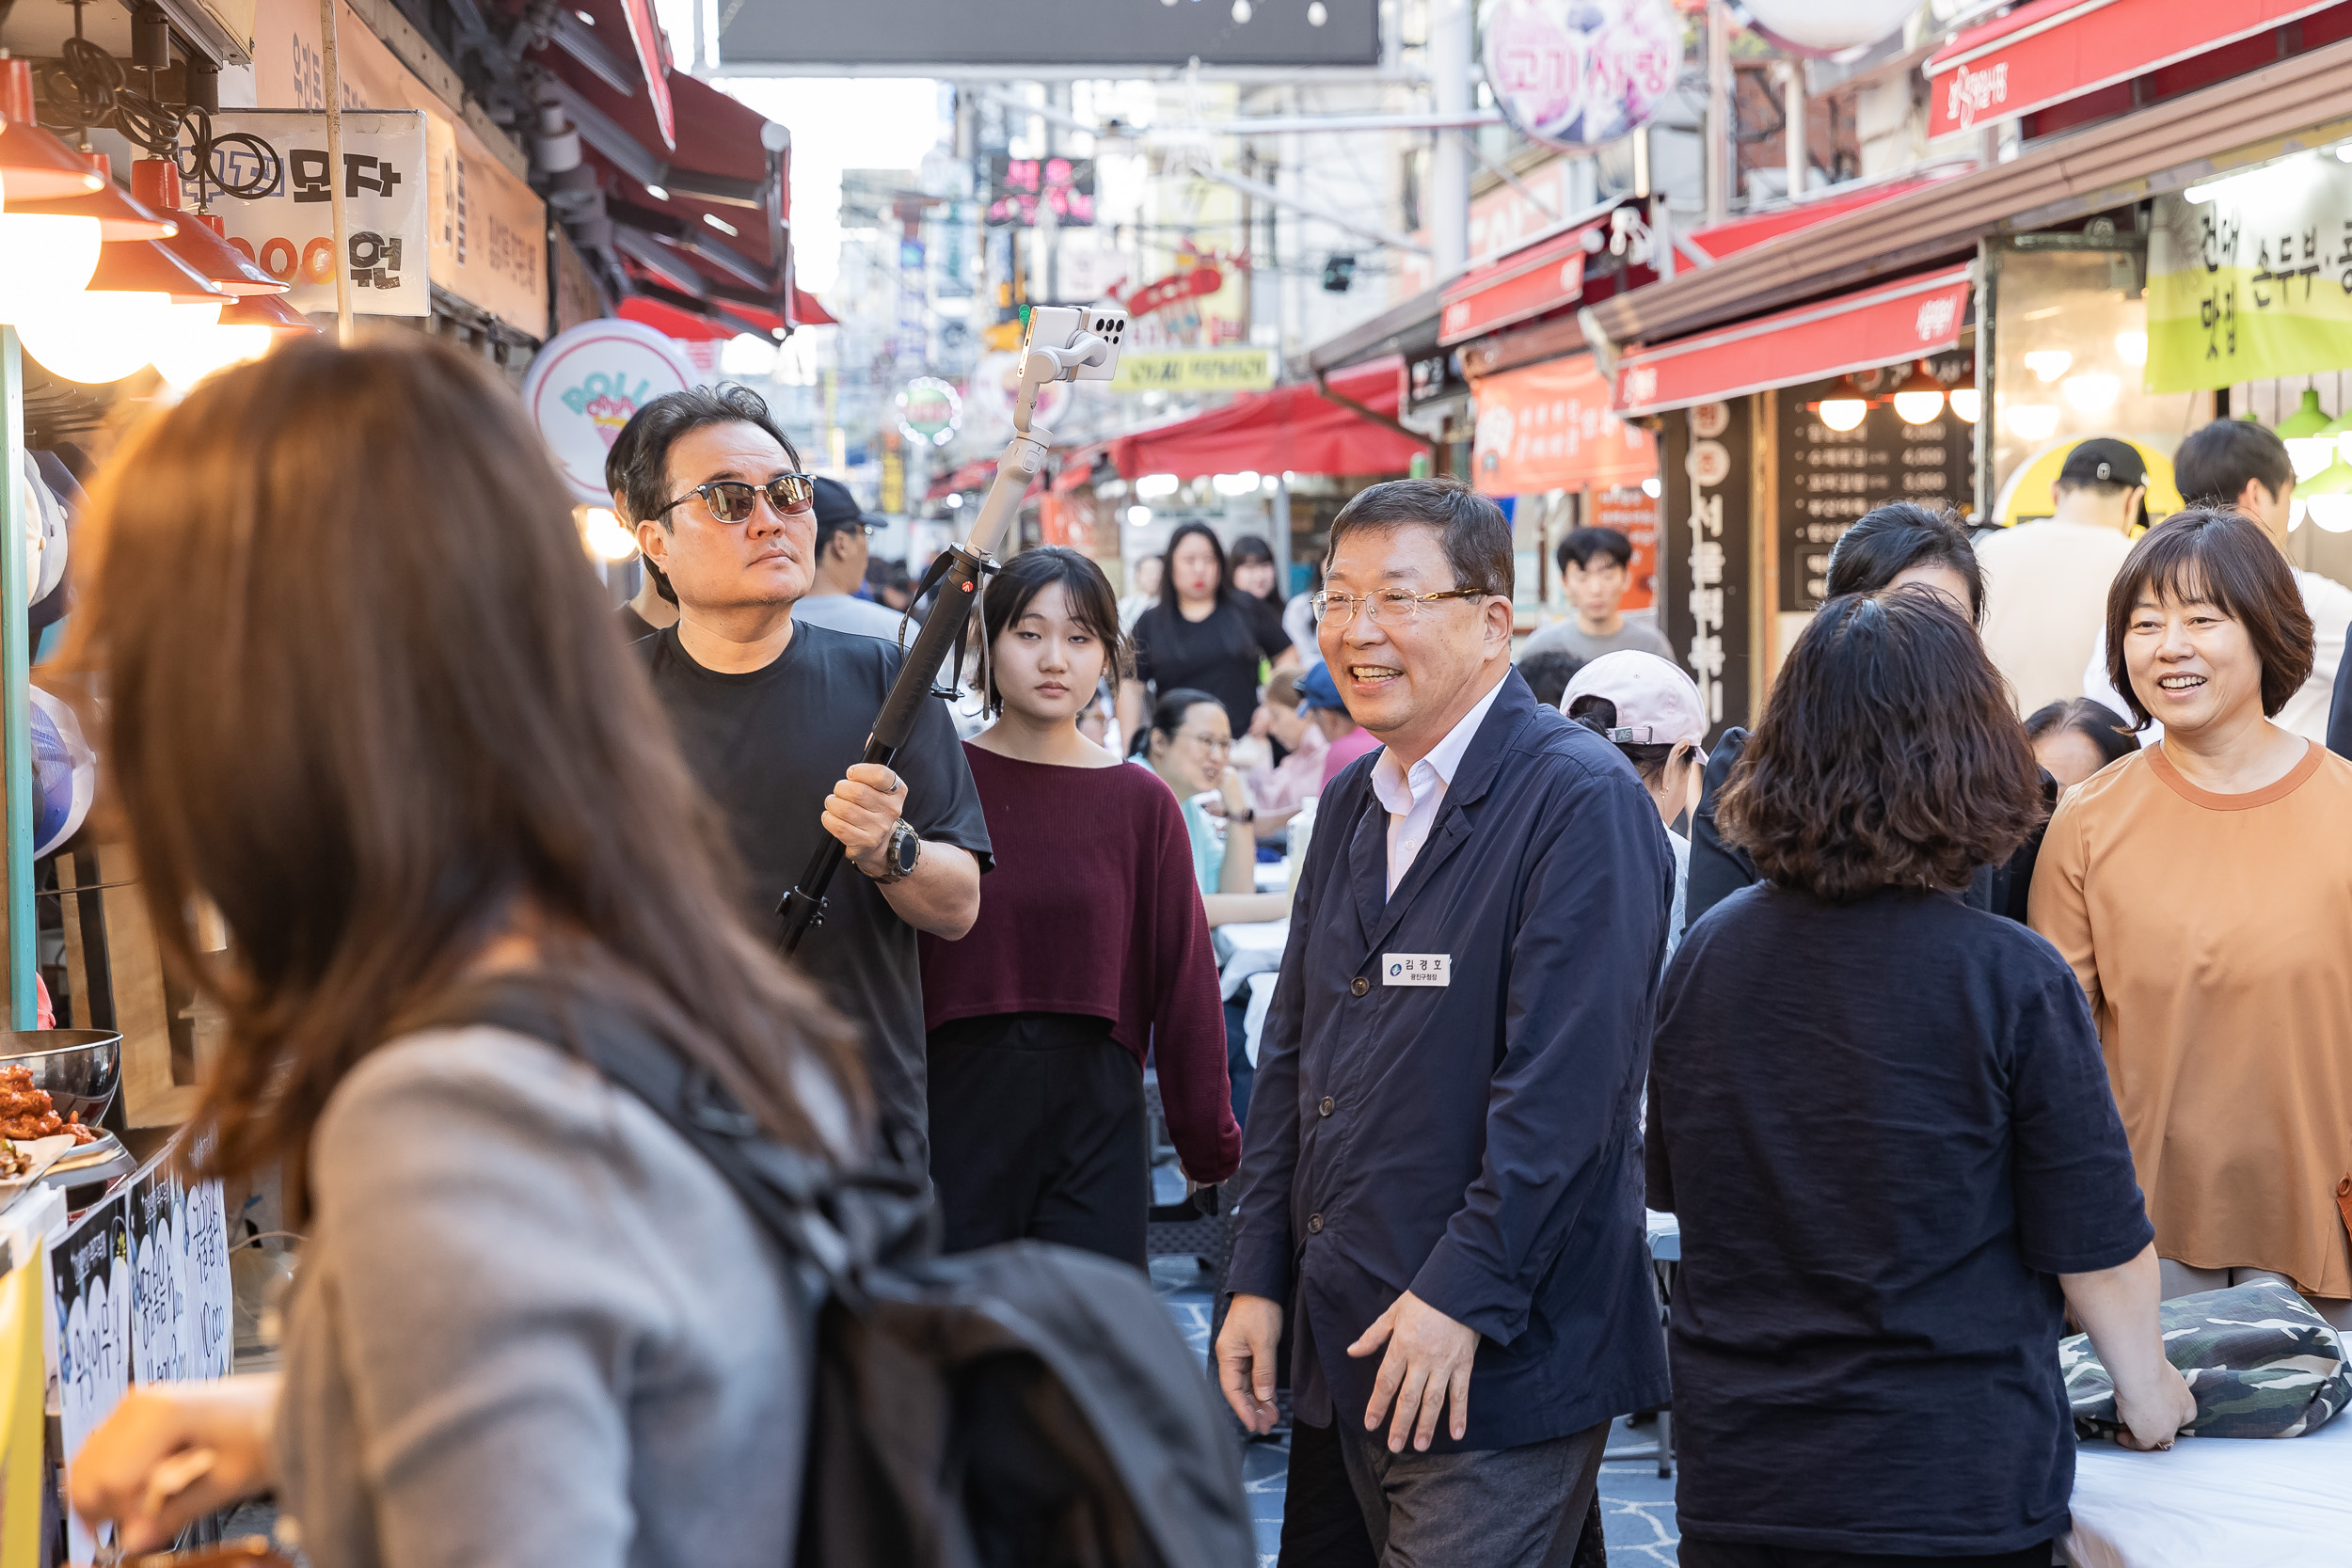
x=80, y=1068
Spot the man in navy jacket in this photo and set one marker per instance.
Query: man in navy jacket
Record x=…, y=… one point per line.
x=1441, y=1187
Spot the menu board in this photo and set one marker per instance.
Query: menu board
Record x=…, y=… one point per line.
x=1830, y=478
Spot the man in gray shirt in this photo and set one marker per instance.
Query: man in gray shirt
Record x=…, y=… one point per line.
x=833, y=599
x=1596, y=563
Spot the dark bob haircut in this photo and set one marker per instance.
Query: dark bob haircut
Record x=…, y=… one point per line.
x=1887, y=753
x=1888, y=541
x=2216, y=556
x=1477, y=536
x=2094, y=721
x=637, y=470
x=1020, y=580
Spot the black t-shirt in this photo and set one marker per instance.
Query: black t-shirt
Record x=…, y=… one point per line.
x=1219, y=655
x=1886, y=1129
x=768, y=747
x=634, y=628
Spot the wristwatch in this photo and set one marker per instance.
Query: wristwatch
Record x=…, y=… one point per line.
x=901, y=850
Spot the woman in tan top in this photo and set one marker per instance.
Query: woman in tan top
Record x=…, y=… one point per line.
x=2203, y=890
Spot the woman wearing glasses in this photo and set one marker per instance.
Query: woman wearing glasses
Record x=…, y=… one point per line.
x=1189, y=744
x=1037, y=1048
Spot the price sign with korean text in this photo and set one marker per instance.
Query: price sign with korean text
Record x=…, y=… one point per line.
x=288, y=232
x=2253, y=279
x=1830, y=478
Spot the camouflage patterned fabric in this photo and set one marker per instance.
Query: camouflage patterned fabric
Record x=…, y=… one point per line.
x=2259, y=1361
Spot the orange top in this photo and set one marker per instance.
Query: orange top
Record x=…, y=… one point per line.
x=2212, y=934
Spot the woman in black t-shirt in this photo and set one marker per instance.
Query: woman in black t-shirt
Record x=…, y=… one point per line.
x=1203, y=634
x=1884, y=1121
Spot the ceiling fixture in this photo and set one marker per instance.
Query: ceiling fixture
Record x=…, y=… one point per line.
x=1845, y=407
x=1920, y=398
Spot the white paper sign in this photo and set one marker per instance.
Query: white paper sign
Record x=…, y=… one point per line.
x=289, y=232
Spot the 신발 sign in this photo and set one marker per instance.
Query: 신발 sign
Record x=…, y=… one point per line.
x=288, y=232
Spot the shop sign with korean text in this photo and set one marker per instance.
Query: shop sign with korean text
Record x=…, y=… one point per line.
x=288, y=230
x=585, y=386
x=2255, y=280
x=1199, y=370
x=1549, y=427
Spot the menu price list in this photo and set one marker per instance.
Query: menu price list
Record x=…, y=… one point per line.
x=1830, y=478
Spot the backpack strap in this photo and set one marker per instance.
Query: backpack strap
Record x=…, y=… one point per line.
x=839, y=1225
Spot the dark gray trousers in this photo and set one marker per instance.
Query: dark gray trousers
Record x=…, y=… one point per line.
x=1494, y=1508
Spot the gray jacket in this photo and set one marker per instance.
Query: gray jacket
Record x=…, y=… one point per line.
x=532, y=1329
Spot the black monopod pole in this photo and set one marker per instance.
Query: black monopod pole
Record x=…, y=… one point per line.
x=951, y=611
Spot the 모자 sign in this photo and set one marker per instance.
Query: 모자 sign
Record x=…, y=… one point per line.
x=288, y=230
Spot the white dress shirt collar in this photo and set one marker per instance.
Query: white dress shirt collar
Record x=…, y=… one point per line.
x=1412, y=796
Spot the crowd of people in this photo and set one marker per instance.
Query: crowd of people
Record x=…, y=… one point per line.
x=1962, y=1005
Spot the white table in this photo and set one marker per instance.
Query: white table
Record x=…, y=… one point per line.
x=2217, y=1502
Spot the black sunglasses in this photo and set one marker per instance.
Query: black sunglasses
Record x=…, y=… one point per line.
x=731, y=500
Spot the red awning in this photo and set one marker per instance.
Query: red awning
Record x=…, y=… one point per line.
x=1880, y=325
x=1289, y=429
x=2053, y=50
x=1707, y=245
x=808, y=311
x=674, y=321
x=1527, y=282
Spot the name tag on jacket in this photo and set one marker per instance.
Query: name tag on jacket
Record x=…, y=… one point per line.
x=1416, y=968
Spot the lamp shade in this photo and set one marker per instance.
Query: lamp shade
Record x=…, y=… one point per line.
x=2310, y=442
x=2325, y=498
x=265, y=310
x=1845, y=407
x=1920, y=398
x=155, y=182
x=144, y=266
x=118, y=217
x=34, y=165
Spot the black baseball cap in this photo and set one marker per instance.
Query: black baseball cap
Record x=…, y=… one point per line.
x=2101, y=460
x=836, y=509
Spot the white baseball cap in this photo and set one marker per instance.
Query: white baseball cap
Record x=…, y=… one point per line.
x=1657, y=704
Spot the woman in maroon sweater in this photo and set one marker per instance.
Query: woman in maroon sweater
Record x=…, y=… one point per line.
x=1092, y=951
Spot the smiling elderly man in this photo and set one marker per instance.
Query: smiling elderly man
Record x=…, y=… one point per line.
x=1441, y=1186
x=773, y=713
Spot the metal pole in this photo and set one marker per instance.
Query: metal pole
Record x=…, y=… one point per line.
x=1447, y=214
x=346, y=328
x=16, y=701
x=1792, y=108
x=1719, y=144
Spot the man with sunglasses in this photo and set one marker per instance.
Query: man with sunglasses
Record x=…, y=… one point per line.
x=774, y=712
x=842, y=533
x=1441, y=1189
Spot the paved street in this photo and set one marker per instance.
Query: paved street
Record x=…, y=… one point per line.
x=1637, y=1506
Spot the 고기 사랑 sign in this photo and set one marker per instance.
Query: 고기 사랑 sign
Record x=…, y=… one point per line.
x=288, y=230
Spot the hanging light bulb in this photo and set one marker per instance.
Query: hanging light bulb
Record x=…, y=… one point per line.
x=2308, y=446
x=194, y=354
x=603, y=535
x=2030, y=422
x=1967, y=404
x=1920, y=398
x=1845, y=407
x=2132, y=347
x=2048, y=363
x=2326, y=499
x=44, y=260
x=97, y=337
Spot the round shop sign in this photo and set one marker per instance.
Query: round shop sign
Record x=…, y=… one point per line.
x=1577, y=73
x=930, y=411
x=1824, y=28
x=587, y=383
x=1710, y=464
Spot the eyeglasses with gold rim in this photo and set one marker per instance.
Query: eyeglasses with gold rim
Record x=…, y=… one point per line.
x=1389, y=606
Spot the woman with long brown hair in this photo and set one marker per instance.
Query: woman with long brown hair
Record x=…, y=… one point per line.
x=1882, y=1118
x=365, y=699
